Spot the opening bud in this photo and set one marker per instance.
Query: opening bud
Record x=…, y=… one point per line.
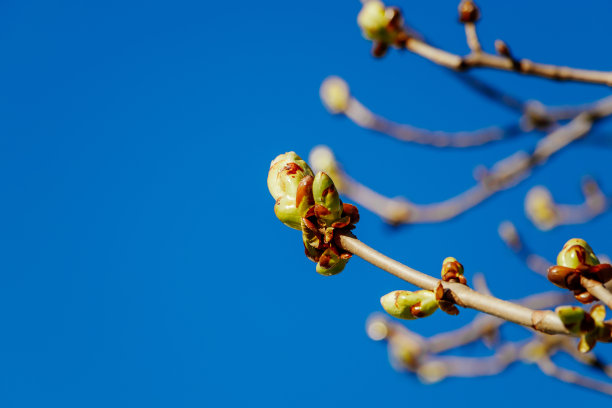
x=576, y=252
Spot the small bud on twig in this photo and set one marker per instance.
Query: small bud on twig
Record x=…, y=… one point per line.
x=468, y=12
x=404, y=304
x=575, y=261
x=452, y=271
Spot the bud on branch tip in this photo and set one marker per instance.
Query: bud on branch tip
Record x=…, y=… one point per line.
x=311, y=203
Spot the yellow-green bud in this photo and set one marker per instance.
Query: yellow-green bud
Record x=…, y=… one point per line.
x=286, y=171
x=452, y=271
x=290, y=183
x=335, y=94
x=541, y=208
x=373, y=20
x=328, y=204
x=408, y=305
x=576, y=252
x=330, y=262
x=572, y=317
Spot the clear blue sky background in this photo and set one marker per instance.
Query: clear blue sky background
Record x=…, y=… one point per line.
x=140, y=260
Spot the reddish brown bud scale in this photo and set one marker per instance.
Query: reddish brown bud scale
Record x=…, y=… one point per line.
x=293, y=168
x=379, y=49
x=351, y=211
x=416, y=311
x=502, y=48
x=468, y=12
x=304, y=191
x=321, y=211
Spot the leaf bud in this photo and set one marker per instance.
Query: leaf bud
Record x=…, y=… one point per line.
x=408, y=305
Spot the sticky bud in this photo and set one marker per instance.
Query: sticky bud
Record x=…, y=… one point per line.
x=290, y=183
x=452, y=271
x=408, y=305
x=576, y=252
x=328, y=206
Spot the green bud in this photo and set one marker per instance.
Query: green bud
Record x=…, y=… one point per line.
x=576, y=252
x=373, y=20
x=330, y=262
x=452, y=271
x=572, y=317
x=290, y=183
x=328, y=206
x=286, y=172
x=408, y=305
x=287, y=212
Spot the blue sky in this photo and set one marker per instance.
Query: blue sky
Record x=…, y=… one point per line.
x=140, y=259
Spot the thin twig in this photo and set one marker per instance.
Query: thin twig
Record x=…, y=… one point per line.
x=484, y=324
x=549, y=368
x=598, y=290
x=504, y=174
x=363, y=117
x=523, y=66
x=546, y=214
x=471, y=37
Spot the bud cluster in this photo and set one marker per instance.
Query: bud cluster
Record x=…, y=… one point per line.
x=311, y=204
x=589, y=326
x=577, y=260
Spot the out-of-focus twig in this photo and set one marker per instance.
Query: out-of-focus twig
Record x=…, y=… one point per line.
x=336, y=97
x=509, y=234
x=504, y=174
x=547, y=366
x=485, y=324
x=546, y=214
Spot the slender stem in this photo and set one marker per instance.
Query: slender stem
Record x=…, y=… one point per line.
x=505, y=173
x=544, y=321
x=363, y=117
x=551, y=369
x=471, y=37
x=523, y=66
x=598, y=290
x=483, y=324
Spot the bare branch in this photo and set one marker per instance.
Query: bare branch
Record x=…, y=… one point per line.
x=544, y=321
x=505, y=173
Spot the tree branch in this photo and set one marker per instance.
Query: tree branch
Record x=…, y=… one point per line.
x=544, y=321
x=523, y=66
